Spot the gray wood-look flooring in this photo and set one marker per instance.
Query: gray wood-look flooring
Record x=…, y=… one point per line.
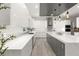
x=42, y=48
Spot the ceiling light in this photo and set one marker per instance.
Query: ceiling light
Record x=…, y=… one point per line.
x=67, y=12
x=67, y=15
x=59, y=17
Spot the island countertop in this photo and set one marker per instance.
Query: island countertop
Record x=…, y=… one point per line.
x=68, y=44
x=65, y=37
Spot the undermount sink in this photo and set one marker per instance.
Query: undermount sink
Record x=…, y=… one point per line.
x=59, y=33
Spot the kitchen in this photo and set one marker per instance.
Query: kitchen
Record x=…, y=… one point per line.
x=57, y=23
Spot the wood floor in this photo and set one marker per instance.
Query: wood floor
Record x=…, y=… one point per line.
x=42, y=48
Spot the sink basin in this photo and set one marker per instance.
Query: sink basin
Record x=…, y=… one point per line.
x=59, y=33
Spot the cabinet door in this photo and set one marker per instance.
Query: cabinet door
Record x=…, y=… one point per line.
x=62, y=49
x=49, y=40
x=57, y=46
x=33, y=42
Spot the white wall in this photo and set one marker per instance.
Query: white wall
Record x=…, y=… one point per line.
x=5, y=15
x=19, y=15
x=34, y=8
x=59, y=25
x=40, y=24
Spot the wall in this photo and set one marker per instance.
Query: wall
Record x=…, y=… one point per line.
x=34, y=8
x=40, y=24
x=19, y=18
x=19, y=15
x=59, y=26
x=5, y=15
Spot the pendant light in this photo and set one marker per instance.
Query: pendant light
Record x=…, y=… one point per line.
x=59, y=11
x=59, y=17
x=55, y=13
x=67, y=15
x=67, y=18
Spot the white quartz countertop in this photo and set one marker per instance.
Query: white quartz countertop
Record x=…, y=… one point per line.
x=65, y=37
x=19, y=42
